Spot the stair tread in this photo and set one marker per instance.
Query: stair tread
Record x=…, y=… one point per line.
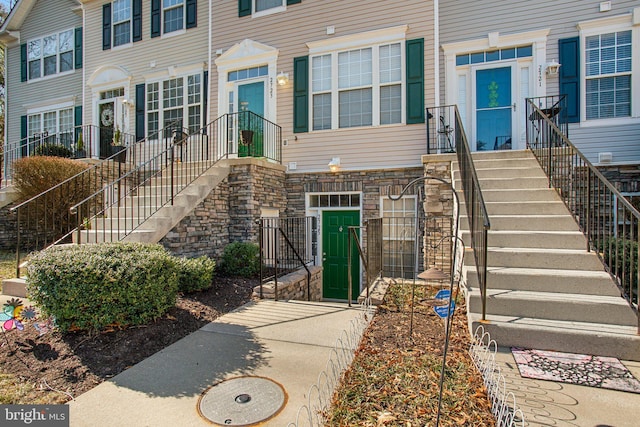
x=538, y=250
x=545, y=272
x=554, y=296
x=568, y=326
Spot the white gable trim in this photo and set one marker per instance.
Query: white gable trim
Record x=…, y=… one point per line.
x=109, y=75
x=353, y=41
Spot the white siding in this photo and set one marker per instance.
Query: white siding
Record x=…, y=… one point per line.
x=289, y=31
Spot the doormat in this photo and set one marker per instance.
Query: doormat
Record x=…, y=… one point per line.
x=580, y=369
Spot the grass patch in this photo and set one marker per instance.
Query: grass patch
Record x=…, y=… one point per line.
x=7, y=266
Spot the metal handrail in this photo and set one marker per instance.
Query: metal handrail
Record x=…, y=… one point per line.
x=609, y=221
x=374, y=240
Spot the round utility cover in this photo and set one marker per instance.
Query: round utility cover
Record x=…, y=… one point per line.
x=242, y=401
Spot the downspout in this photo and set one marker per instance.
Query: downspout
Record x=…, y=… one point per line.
x=84, y=75
x=209, y=60
x=436, y=53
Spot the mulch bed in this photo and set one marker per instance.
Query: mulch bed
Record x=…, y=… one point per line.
x=75, y=362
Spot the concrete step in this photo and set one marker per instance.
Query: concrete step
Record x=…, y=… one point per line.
x=532, y=239
x=555, y=306
x=509, y=183
x=595, y=339
x=520, y=195
x=533, y=171
x=502, y=154
x=491, y=163
x=560, y=259
x=545, y=280
x=530, y=223
x=16, y=287
x=114, y=235
x=522, y=208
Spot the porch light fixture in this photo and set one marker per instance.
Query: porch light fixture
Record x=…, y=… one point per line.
x=334, y=164
x=282, y=78
x=553, y=67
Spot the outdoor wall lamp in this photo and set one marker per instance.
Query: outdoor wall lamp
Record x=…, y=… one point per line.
x=334, y=164
x=282, y=78
x=553, y=67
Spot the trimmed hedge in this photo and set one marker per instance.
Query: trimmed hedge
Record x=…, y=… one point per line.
x=195, y=274
x=89, y=287
x=241, y=259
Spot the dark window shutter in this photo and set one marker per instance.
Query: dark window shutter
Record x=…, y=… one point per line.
x=294, y=1
x=77, y=120
x=140, y=116
x=244, y=7
x=155, y=18
x=23, y=62
x=415, y=81
x=570, y=76
x=137, y=20
x=78, y=48
x=192, y=13
x=205, y=97
x=106, y=26
x=23, y=127
x=301, y=94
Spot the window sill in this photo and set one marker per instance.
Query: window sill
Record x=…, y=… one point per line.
x=52, y=76
x=173, y=34
x=620, y=121
x=269, y=11
x=356, y=128
x=122, y=46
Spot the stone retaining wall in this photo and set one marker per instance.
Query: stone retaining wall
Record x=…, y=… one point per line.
x=293, y=286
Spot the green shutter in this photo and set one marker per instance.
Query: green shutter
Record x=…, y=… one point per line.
x=205, y=98
x=77, y=120
x=192, y=13
x=23, y=62
x=415, y=81
x=155, y=18
x=23, y=127
x=106, y=26
x=244, y=7
x=570, y=76
x=78, y=48
x=137, y=20
x=140, y=104
x=301, y=94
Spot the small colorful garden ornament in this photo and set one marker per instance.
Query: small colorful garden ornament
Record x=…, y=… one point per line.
x=11, y=315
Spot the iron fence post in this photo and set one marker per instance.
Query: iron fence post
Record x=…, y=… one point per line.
x=18, y=243
x=350, y=280
x=588, y=212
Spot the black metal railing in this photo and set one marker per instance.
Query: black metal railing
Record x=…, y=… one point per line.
x=441, y=129
x=403, y=246
x=85, y=141
x=287, y=245
x=609, y=221
x=248, y=134
x=372, y=259
x=554, y=108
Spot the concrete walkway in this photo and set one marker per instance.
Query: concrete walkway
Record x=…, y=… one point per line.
x=287, y=342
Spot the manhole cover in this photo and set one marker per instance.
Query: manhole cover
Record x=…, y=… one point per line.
x=242, y=401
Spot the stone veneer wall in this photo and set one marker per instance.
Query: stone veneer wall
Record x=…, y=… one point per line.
x=230, y=212
x=626, y=178
x=293, y=286
x=8, y=228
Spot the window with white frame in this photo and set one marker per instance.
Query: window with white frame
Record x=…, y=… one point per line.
x=50, y=55
x=121, y=22
x=56, y=125
x=608, y=75
x=365, y=84
x=264, y=5
x=399, y=221
x=178, y=99
x=173, y=15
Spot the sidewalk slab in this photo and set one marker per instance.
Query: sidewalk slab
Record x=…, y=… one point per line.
x=287, y=342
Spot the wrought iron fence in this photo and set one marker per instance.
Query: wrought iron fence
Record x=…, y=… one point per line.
x=441, y=129
x=609, y=221
x=247, y=134
x=371, y=259
x=286, y=245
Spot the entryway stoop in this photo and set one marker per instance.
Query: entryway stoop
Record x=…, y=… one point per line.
x=544, y=289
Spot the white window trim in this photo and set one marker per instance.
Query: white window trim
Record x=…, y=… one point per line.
x=184, y=19
x=626, y=22
x=53, y=109
x=57, y=73
x=270, y=11
x=370, y=39
x=113, y=28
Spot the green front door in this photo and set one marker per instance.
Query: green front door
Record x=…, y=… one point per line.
x=251, y=99
x=335, y=242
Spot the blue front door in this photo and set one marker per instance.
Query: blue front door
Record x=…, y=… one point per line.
x=494, y=109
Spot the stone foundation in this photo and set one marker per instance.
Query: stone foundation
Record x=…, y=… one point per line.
x=293, y=286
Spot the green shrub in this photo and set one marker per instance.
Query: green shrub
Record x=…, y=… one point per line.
x=34, y=175
x=195, y=274
x=91, y=286
x=622, y=255
x=241, y=259
x=55, y=150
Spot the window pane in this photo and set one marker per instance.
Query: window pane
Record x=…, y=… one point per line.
x=66, y=61
x=390, y=104
x=509, y=53
x=477, y=58
x=168, y=3
x=50, y=66
x=152, y=123
x=608, y=97
x=33, y=50
x=193, y=89
x=121, y=10
x=172, y=93
x=173, y=18
x=321, y=73
x=322, y=111
x=462, y=59
x=152, y=96
x=122, y=33
x=390, y=63
x=66, y=41
x=493, y=56
x=34, y=124
x=50, y=45
x=194, y=119
x=49, y=121
x=525, y=51
x=355, y=108
x=66, y=120
x=355, y=68
x=171, y=117
x=267, y=4
x=34, y=69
